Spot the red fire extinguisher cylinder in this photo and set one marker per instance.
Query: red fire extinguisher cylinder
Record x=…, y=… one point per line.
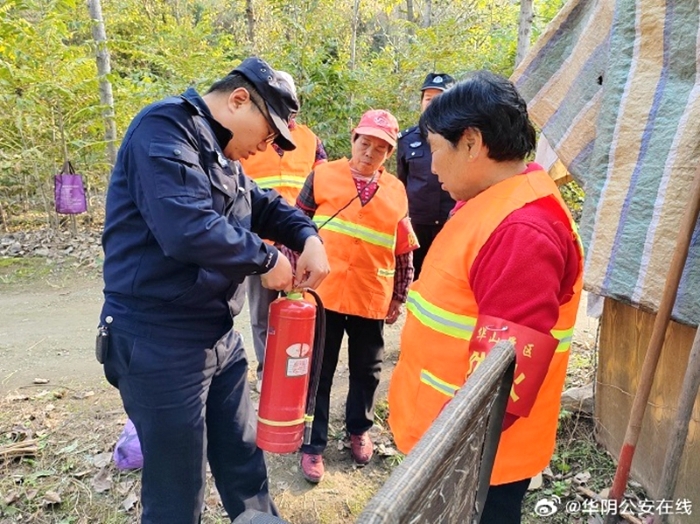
x=286, y=371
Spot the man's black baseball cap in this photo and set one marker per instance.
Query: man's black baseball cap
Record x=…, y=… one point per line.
x=279, y=96
x=441, y=81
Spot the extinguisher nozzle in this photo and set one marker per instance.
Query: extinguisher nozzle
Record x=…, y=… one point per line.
x=307, y=432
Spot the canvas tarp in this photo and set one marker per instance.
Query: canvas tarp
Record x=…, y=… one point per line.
x=614, y=87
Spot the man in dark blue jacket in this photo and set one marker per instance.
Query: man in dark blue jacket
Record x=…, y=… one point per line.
x=183, y=229
x=428, y=203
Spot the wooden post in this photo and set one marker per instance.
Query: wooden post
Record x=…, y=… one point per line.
x=679, y=433
x=651, y=359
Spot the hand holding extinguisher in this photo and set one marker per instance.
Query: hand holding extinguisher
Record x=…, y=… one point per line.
x=291, y=372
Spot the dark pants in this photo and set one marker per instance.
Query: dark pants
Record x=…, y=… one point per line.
x=425, y=234
x=365, y=354
x=259, y=300
x=190, y=402
x=504, y=503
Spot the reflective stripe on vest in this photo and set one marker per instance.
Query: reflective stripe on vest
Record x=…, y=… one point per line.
x=359, y=240
x=438, y=319
x=460, y=327
x=442, y=311
x=363, y=233
x=427, y=378
x=564, y=336
x=444, y=387
x=275, y=181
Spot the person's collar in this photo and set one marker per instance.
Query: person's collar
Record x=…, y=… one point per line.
x=223, y=135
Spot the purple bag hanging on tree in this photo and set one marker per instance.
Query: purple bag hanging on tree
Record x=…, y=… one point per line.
x=69, y=192
x=127, y=452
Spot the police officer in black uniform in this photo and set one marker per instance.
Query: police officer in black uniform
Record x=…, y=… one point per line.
x=428, y=204
x=183, y=229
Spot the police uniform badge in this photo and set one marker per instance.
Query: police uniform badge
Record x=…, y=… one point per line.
x=415, y=144
x=221, y=159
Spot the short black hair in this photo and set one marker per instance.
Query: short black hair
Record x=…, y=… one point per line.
x=233, y=81
x=489, y=103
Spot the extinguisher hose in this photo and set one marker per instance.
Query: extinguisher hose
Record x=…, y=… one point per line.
x=315, y=376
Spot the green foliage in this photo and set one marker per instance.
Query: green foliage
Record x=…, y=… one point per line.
x=573, y=195
x=48, y=74
x=14, y=270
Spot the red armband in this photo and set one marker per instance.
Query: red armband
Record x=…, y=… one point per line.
x=533, y=353
x=406, y=239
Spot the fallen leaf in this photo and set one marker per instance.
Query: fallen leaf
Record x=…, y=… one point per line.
x=29, y=495
x=124, y=487
x=102, y=459
x=129, y=502
x=386, y=451
x=50, y=498
x=582, y=478
x=213, y=500
x=536, y=482
x=102, y=481
x=11, y=497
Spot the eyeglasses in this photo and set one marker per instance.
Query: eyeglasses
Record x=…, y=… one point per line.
x=273, y=134
x=270, y=138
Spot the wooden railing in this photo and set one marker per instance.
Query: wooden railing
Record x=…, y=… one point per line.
x=445, y=478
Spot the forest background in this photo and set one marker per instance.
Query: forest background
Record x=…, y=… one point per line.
x=346, y=56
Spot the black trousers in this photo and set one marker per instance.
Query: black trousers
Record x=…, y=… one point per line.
x=504, y=503
x=189, y=401
x=425, y=234
x=365, y=355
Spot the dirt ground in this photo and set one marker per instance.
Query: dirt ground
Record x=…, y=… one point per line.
x=47, y=329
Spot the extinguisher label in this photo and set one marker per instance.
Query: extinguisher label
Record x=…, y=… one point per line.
x=297, y=367
x=298, y=361
x=298, y=350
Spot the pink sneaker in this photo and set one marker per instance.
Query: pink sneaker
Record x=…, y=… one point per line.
x=361, y=448
x=312, y=467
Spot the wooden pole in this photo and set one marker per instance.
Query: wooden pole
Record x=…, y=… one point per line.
x=679, y=433
x=651, y=359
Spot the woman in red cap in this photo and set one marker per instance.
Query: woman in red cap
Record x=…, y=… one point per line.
x=361, y=211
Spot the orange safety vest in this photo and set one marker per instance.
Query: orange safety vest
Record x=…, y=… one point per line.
x=442, y=311
x=286, y=173
x=360, y=241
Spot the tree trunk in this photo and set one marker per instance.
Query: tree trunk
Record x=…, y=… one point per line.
x=427, y=14
x=250, y=16
x=409, y=11
x=353, y=42
x=524, y=30
x=103, y=70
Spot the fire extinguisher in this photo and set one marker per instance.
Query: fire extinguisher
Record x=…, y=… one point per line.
x=296, y=334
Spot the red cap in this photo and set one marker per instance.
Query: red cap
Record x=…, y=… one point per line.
x=379, y=123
